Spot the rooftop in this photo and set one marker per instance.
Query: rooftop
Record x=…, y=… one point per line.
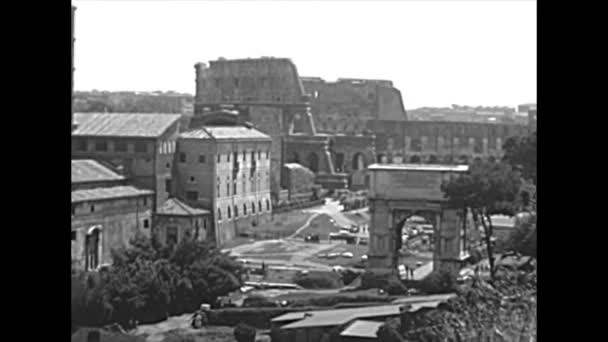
x=140, y=125
x=225, y=133
x=175, y=207
x=99, y=194
x=419, y=167
x=362, y=328
x=335, y=317
x=88, y=170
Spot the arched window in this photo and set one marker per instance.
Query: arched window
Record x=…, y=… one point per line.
x=219, y=214
x=244, y=209
x=236, y=211
x=93, y=248
x=260, y=206
x=267, y=205
x=253, y=207
x=229, y=212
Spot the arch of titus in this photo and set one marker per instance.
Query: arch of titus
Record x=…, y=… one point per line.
x=398, y=191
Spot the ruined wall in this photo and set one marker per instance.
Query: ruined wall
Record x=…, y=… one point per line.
x=269, y=120
x=273, y=80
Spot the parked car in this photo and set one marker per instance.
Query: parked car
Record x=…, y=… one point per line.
x=347, y=255
x=364, y=257
x=312, y=238
x=332, y=255
x=322, y=256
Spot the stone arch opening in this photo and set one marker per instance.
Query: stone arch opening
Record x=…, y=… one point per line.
x=382, y=159
x=313, y=162
x=93, y=248
x=358, y=161
x=413, y=227
x=414, y=159
x=433, y=159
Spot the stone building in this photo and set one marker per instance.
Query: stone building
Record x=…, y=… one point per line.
x=141, y=146
x=106, y=218
x=176, y=221
x=226, y=169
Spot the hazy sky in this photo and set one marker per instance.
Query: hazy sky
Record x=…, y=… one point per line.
x=437, y=53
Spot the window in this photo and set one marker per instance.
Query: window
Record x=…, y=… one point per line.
x=259, y=155
x=192, y=179
x=260, y=205
x=229, y=212
x=182, y=157
x=171, y=238
x=252, y=155
x=141, y=147
x=192, y=195
x=234, y=187
x=120, y=146
x=267, y=204
x=244, y=185
x=101, y=145
x=92, y=208
x=168, y=185
x=244, y=155
x=236, y=156
x=219, y=214
x=267, y=153
x=201, y=159
x=253, y=207
x=236, y=211
x=81, y=145
x=244, y=209
x=228, y=189
x=217, y=190
x=73, y=235
x=218, y=157
x=168, y=165
x=145, y=201
x=228, y=157
x=73, y=209
x=146, y=223
x=236, y=82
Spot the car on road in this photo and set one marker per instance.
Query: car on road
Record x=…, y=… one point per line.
x=347, y=255
x=322, y=256
x=364, y=257
x=332, y=255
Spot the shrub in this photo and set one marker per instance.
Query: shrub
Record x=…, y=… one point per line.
x=244, y=333
x=438, y=282
x=388, y=282
x=258, y=301
x=319, y=280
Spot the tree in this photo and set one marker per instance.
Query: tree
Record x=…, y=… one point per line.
x=487, y=189
x=523, y=239
x=521, y=151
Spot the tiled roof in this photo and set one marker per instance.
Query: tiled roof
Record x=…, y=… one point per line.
x=225, y=133
x=338, y=316
x=107, y=193
x=175, y=207
x=362, y=328
x=146, y=125
x=88, y=170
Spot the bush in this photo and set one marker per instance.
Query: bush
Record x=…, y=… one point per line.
x=438, y=282
x=387, y=282
x=319, y=280
x=244, y=333
x=259, y=302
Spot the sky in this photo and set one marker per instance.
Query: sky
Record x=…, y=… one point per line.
x=437, y=53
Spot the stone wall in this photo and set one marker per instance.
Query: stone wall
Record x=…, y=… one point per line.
x=119, y=221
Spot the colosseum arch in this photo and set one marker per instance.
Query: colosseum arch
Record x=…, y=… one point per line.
x=359, y=161
x=414, y=159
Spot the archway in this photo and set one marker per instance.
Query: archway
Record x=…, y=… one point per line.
x=339, y=162
x=433, y=159
x=414, y=230
x=294, y=157
x=382, y=159
x=313, y=162
x=358, y=161
x=92, y=248
x=414, y=159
